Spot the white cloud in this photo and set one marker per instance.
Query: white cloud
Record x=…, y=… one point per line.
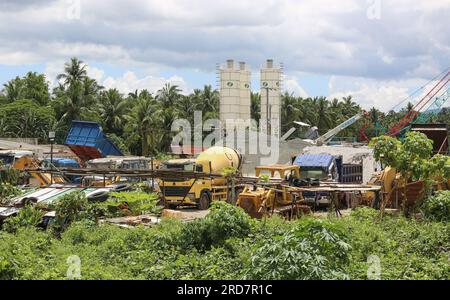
x=129, y=82
x=291, y=84
x=410, y=41
x=383, y=94
x=95, y=73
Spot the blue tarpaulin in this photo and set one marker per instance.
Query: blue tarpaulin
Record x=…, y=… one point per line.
x=314, y=160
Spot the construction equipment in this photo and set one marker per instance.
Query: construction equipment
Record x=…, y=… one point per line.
x=199, y=191
x=327, y=137
x=87, y=141
x=420, y=105
x=397, y=192
x=268, y=198
x=24, y=160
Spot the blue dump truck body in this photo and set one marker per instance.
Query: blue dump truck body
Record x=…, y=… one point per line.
x=87, y=141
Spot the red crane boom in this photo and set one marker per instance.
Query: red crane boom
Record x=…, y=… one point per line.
x=412, y=114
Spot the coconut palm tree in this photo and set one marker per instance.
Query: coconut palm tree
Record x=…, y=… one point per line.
x=210, y=100
x=168, y=95
x=142, y=122
x=255, y=106
x=74, y=72
x=324, y=115
x=113, y=109
x=13, y=90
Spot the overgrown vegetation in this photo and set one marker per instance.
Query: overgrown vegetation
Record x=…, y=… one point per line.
x=437, y=207
x=227, y=244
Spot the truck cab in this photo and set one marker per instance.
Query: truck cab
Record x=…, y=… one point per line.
x=176, y=190
x=316, y=168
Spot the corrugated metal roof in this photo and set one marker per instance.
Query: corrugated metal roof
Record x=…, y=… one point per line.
x=314, y=160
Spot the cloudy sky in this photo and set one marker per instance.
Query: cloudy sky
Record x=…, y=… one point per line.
x=379, y=51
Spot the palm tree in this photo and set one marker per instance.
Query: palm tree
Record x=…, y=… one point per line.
x=133, y=95
x=349, y=108
x=290, y=111
x=168, y=95
x=77, y=94
x=210, y=100
x=142, y=122
x=113, y=109
x=324, y=115
x=13, y=90
x=74, y=72
x=255, y=106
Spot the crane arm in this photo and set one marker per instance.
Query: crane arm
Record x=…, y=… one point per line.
x=333, y=132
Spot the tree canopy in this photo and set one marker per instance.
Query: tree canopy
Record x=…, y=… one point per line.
x=141, y=120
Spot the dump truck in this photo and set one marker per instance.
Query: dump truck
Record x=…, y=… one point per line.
x=88, y=141
x=199, y=192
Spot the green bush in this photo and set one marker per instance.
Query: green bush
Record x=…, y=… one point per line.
x=407, y=249
x=8, y=191
x=437, y=207
x=227, y=244
x=28, y=216
x=131, y=203
x=223, y=222
x=70, y=208
x=313, y=249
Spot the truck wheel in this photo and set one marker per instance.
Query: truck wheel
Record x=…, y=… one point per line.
x=205, y=200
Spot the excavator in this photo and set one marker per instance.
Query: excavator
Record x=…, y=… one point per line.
x=23, y=160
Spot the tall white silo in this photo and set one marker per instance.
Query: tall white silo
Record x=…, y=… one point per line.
x=229, y=92
x=271, y=84
x=244, y=92
x=234, y=91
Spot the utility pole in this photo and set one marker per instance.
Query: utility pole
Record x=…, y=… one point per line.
x=268, y=110
x=51, y=136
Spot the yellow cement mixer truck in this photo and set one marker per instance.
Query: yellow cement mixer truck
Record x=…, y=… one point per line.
x=199, y=192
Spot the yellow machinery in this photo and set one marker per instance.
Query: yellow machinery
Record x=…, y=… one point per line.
x=23, y=160
x=395, y=190
x=386, y=179
x=199, y=192
x=275, y=197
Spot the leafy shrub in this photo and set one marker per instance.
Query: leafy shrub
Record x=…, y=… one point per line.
x=7, y=270
x=8, y=191
x=314, y=249
x=69, y=208
x=437, y=207
x=223, y=222
x=227, y=244
x=132, y=203
x=11, y=176
x=28, y=216
x=365, y=213
x=407, y=249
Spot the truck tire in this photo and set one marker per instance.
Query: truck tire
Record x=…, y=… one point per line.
x=123, y=187
x=100, y=196
x=205, y=200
